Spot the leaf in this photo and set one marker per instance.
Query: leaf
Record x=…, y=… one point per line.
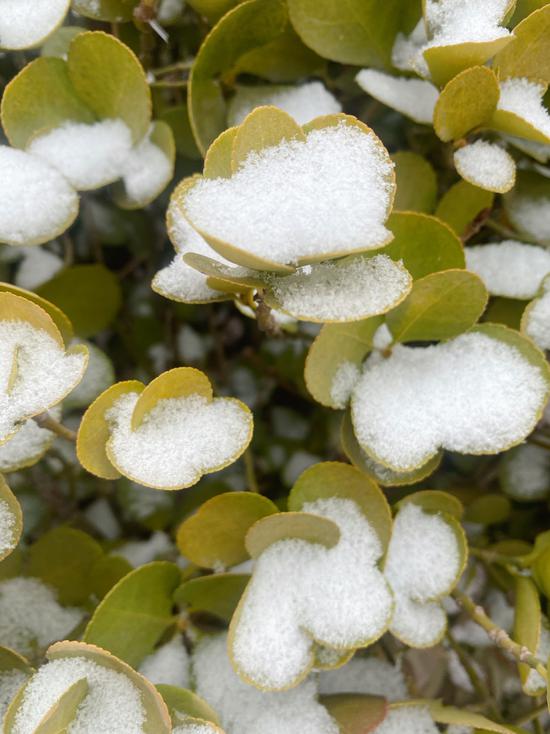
x=108, y=77
x=182, y=701
x=111, y=11
x=526, y=203
x=213, y=10
x=441, y=305
x=40, y=98
x=462, y=717
x=214, y=536
x=334, y=479
x=217, y=162
x=489, y=509
x=446, y=62
x=63, y=712
x=425, y=243
x=337, y=344
x=263, y=128
x=461, y=204
x=467, y=102
x=291, y=525
x=507, y=311
x=218, y=594
x=106, y=572
x=435, y=501
x=57, y=316
x=359, y=32
x=68, y=573
x=89, y=294
x=57, y=45
x=178, y=119
x=13, y=518
x=416, y=183
x=356, y=713
x=527, y=55
x=527, y=621
x=135, y=614
x=250, y=25
x=11, y=660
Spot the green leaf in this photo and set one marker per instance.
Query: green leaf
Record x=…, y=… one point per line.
x=213, y=10
x=58, y=43
x=462, y=717
x=108, y=77
x=445, y=62
x=359, y=32
x=262, y=128
x=335, y=345
x=178, y=119
x=89, y=294
x=63, y=712
x=215, y=535
x=288, y=526
x=507, y=311
x=527, y=620
x=64, y=558
x=111, y=11
x=356, y=713
x=106, y=572
x=183, y=701
x=248, y=26
x=14, y=509
x=416, y=183
x=41, y=97
x=462, y=204
x=528, y=55
x=218, y=594
x=441, y=305
x=425, y=243
x=11, y=660
x=434, y=501
x=135, y=614
x=467, y=102
x=489, y=509
x=57, y=316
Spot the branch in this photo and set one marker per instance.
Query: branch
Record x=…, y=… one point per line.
x=46, y=421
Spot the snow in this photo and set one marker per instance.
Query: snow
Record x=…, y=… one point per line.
x=409, y=719
x=526, y=473
x=10, y=682
x=88, y=155
x=422, y=564
x=113, y=704
x=36, y=267
x=245, y=710
x=465, y=21
x=202, y=437
x=368, y=675
x=31, y=617
x=303, y=102
x=509, y=268
x=523, y=97
x=140, y=552
x=486, y=165
x=302, y=592
x=414, y=98
x=25, y=23
x=342, y=184
x=145, y=172
x=7, y=529
x=537, y=319
x=195, y=728
x=472, y=394
x=98, y=377
x=170, y=10
x=44, y=373
x=343, y=382
x=38, y=203
x=25, y=448
x=531, y=215
x=407, y=50
x=535, y=684
x=169, y=664
x=340, y=291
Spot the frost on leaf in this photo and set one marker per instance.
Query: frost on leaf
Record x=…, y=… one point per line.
x=342, y=185
x=479, y=393
x=366, y=675
x=38, y=203
x=414, y=98
x=245, y=710
x=509, y=268
x=486, y=165
x=521, y=111
x=36, y=372
x=424, y=561
x=26, y=23
x=536, y=318
x=301, y=592
x=303, y=102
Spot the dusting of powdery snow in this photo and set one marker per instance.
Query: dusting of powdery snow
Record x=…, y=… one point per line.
x=44, y=373
x=140, y=552
x=10, y=682
x=168, y=665
x=473, y=394
x=30, y=616
x=525, y=473
x=343, y=382
x=36, y=267
x=486, y=165
x=414, y=98
x=88, y=155
x=38, y=203
x=25, y=23
x=301, y=592
x=409, y=720
x=531, y=215
x=407, y=50
x=145, y=172
x=25, y=448
x=342, y=186
x=179, y=440
x=422, y=564
x=303, y=102
x=536, y=319
x=457, y=729
x=340, y=291
x=245, y=710
x=509, y=268
x=8, y=533
x=465, y=21
x=113, y=704
x=367, y=675
x=535, y=684
x=523, y=97
x=98, y=377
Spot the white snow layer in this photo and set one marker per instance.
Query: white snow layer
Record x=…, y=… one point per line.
x=36, y=267
x=526, y=473
x=367, y=675
x=10, y=682
x=342, y=187
x=26, y=447
x=465, y=21
x=486, y=165
x=302, y=592
x=145, y=172
x=169, y=664
x=414, y=98
x=523, y=98
x=303, y=102
x=536, y=320
x=7, y=528
x=26, y=23
x=473, y=394
x=531, y=215
x=344, y=380
x=509, y=268
x=409, y=720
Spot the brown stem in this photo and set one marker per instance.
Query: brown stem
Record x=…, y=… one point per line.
x=46, y=421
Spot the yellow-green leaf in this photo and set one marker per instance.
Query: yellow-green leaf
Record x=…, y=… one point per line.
x=288, y=526
x=528, y=55
x=218, y=594
x=416, y=183
x=462, y=204
x=187, y=703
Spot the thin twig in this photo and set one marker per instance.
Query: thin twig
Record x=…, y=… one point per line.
x=251, y=471
x=46, y=421
x=478, y=684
